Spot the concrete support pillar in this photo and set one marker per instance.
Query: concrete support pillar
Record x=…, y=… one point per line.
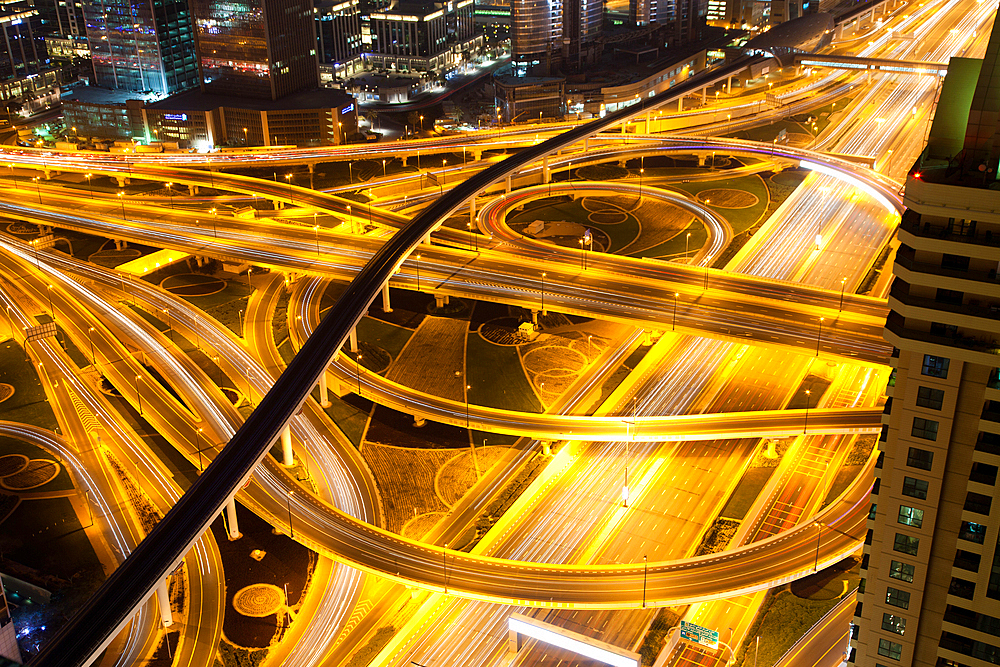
x=546, y=173
x=839, y=32
x=324, y=391
x=354, y=339
x=547, y=447
x=192, y=190
x=163, y=600
x=234, y=524
x=403, y=158
x=48, y=174
x=508, y=184
x=440, y=300
x=704, y=94
x=122, y=181
x=586, y=144
x=472, y=213
x=122, y=245
x=623, y=127
x=287, y=456
x=680, y=104
x=649, y=119
x=477, y=155
x=647, y=337
x=427, y=239
x=729, y=85
x=534, y=317
x=386, y=306
x=419, y=422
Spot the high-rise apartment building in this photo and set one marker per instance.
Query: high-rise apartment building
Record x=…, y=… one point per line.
x=256, y=48
x=931, y=569
x=554, y=34
x=142, y=45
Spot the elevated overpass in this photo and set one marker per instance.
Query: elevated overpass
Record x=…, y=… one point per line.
x=871, y=64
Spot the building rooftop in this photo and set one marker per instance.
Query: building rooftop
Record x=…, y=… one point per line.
x=96, y=95
x=195, y=100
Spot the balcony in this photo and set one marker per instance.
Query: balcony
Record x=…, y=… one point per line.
x=910, y=264
x=971, y=236
x=901, y=292
x=897, y=327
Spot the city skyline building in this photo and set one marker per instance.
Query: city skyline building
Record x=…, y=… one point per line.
x=930, y=593
x=256, y=48
x=141, y=45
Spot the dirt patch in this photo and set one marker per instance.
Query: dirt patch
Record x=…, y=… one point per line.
x=37, y=473
x=728, y=198
x=193, y=284
x=258, y=600
x=11, y=464
x=406, y=478
x=417, y=527
x=459, y=474
x=6, y=391
x=430, y=359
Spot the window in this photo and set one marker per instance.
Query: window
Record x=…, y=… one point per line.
x=890, y=649
x=897, y=598
x=966, y=560
x=962, y=588
x=954, y=262
x=895, y=624
x=920, y=458
x=949, y=296
x=993, y=587
x=983, y=473
x=924, y=428
x=872, y=511
x=915, y=488
x=911, y=516
x=970, y=619
x=973, y=532
x=930, y=398
x=901, y=571
x=906, y=544
x=978, y=503
x=935, y=367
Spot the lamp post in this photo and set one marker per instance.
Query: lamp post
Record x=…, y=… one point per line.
x=316, y=230
x=291, y=530
x=246, y=141
x=383, y=168
x=583, y=256
x=197, y=446
x=170, y=329
x=467, y=388
x=291, y=197
x=421, y=123
x=120, y=201
x=819, y=334
x=417, y=264
x=37, y=190
x=357, y=367
x=687, y=245
x=444, y=551
x=805, y=424
x=138, y=394
x=843, y=281
x=11, y=166
x=170, y=193
x=641, y=171
x=645, y=573
x=90, y=185
x=90, y=333
x=543, y=293
x=674, y=325
x=48, y=292
x=215, y=221
x=819, y=533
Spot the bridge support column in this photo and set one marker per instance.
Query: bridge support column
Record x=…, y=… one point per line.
x=234, y=524
x=419, y=422
x=278, y=205
x=192, y=190
x=120, y=245
x=386, y=306
x=427, y=239
x=324, y=391
x=680, y=104
x=163, y=600
x=586, y=144
x=704, y=94
x=546, y=172
x=839, y=31
x=48, y=174
x=649, y=119
x=472, y=212
x=647, y=337
x=440, y=300
x=729, y=85
x=477, y=156
x=508, y=184
x=534, y=317
x=122, y=181
x=403, y=158
x=546, y=447
x=312, y=173
x=287, y=456
x=354, y=339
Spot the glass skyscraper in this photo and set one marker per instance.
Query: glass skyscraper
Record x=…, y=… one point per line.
x=142, y=45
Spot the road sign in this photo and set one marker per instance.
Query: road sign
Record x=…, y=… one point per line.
x=41, y=331
x=699, y=635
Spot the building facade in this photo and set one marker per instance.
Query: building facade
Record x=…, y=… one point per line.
x=931, y=566
x=428, y=38
x=141, y=45
x=338, y=30
x=256, y=48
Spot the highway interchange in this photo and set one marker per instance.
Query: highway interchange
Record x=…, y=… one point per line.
x=551, y=549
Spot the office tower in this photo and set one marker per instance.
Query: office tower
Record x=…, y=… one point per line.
x=536, y=30
x=931, y=569
x=256, y=48
x=61, y=18
x=338, y=30
x=22, y=49
x=141, y=45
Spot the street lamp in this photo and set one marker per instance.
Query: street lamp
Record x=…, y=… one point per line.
x=215, y=220
x=245, y=139
x=90, y=185
x=383, y=168
x=357, y=367
x=291, y=530
x=687, y=244
x=138, y=395
x=48, y=291
x=421, y=123
x=90, y=333
x=170, y=329
x=122, y=202
x=842, y=283
x=543, y=293
x=170, y=193
x=11, y=166
x=819, y=334
x=805, y=424
x=38, y=190
x=288, y=177
x=417, y=264
x=674, y=326
x=197, y=445
x=645, y=573
x=316, y=229
x=467, y=388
